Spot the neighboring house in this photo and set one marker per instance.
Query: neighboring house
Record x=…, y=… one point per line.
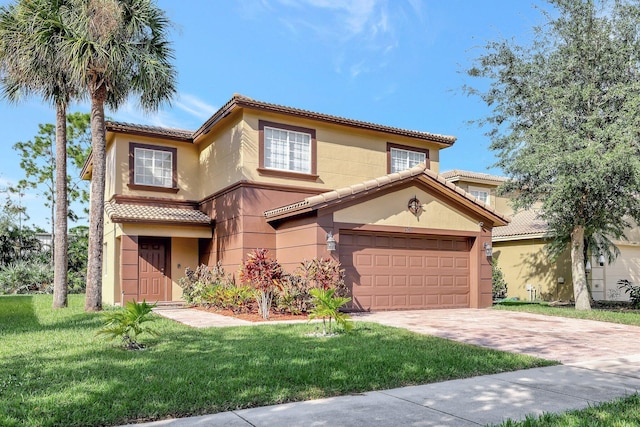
x=518, y=249
x=260, y=175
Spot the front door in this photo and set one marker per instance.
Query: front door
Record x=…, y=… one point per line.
x=152, y=281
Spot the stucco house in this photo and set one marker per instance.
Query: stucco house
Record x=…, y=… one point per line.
x=518, y=249
x=260, y=175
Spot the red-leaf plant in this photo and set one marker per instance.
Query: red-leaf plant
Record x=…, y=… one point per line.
x=324, y=273
x=264, y=274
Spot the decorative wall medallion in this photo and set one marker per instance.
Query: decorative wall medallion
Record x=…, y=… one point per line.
x=415, y=207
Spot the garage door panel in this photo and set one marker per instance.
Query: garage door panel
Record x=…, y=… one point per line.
x=416, y=261
x=399, y=261
x=399, y=281
x=399, y=272
x=382, y=261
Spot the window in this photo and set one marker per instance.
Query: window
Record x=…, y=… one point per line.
x=287, y=150
x=482, y=196
x=152, y=167
x=402, y=157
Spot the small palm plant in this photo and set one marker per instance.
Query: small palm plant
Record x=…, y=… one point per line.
x=326, y=306
x=127, y=324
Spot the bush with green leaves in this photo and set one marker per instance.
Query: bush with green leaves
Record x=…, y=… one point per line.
x=128, y=323
x=632, y=290
x=499, y=288
x=199, y=285
x=23, y=277
x=326, y=306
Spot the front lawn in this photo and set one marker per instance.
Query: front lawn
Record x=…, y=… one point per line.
x=55, y=371
x=601, y=314
x=620, y=412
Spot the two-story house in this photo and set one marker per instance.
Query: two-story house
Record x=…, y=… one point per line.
x=519, y=250
x=303, y=185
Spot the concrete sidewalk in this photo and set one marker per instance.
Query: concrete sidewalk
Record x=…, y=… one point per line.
x=477, y=401
x=587, y=378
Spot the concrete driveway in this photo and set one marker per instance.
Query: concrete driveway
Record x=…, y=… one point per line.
x=570, y=341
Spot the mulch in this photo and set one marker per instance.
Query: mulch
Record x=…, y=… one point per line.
x=254, y=317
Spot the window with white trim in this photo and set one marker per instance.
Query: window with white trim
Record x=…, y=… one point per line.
x=287, y=150
x=405, y=159
x=153, y=167
x=482, y=196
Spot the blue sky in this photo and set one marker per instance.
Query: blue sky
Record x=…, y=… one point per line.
x=393, y=62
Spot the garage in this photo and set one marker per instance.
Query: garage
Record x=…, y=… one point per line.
x=399, y=271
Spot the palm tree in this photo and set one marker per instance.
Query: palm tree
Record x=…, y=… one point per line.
x=116, y=48
x=30, y=64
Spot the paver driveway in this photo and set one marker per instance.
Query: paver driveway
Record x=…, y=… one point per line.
x=556, y=338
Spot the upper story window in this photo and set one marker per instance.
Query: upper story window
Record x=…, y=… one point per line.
x=152, y=167
x=481, y=195
x=287, y=150
x=402, y=157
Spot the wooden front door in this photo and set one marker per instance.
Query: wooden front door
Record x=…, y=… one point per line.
x=152, y=281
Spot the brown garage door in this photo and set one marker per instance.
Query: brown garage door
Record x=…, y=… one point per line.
x=394, y=272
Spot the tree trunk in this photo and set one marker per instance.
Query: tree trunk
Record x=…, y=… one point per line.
x=580, y=291
x=93, y=301
x=59, y=247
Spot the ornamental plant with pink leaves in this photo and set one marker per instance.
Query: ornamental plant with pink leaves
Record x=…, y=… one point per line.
x=263, y=274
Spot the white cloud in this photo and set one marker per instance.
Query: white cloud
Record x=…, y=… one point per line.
x=195, y=106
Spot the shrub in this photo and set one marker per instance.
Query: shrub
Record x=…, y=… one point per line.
x=293, y=296
x=323, y=273
x=326, y=306
x=632, y=290
x=23, y=277
x=199, y=285
x=127, y=323
x=499, y=287
x=263, y=274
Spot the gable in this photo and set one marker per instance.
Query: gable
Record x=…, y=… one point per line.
x=391, y=209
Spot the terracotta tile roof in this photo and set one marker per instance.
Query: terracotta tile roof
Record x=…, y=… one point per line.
x=525, y=224
x=180, y=134
x=456, y=174
x=246, y=102
x=121, y=212
x=320, y=200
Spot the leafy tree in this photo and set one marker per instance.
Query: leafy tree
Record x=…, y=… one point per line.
x=114, y=48
x=565, y=123
x=37, y=159
x=31, y=63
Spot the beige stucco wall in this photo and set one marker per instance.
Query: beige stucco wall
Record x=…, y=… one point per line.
x=110, y=265
x=184, y=253
x=525, y=262
x=391, y=209
x=187, y=168
x=220, y=156
x=345, y=156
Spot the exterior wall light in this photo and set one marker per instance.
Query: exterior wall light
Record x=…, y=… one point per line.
x=601, y=260
x=488, y=250
x=587, y=267
x=331, y=242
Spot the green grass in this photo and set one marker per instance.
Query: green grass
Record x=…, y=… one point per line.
x=626, y=318
x=618, y=413
x=55, y=371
